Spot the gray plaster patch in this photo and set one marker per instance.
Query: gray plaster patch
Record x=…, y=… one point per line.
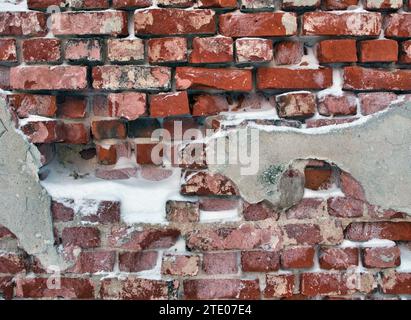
x=376, y=152
x=25, y=205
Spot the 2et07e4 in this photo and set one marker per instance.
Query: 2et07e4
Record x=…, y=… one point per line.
x=226, y=309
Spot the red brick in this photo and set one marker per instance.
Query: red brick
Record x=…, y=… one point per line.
x=217, y=4
x=260, y=261
x=345, y=207
x=207, y=104
x=72, y=107
x=4, y=78
x=125, y=50
x=89, y=23
x=106, y=154
x=315, y=123
x=82, y=4
x=363, y=231
x=137, y=261
x=108, y=129
x=41, y=50
x=220, y=262
x=351, y=187
x=84, y=237
x=5, y=233
x=169, y=104
x=76, y=133
x=32, y=104
x=83, y=50
x=171, y=49
x=212, y=50
x=154, y=173
x=149, y=153
x=218, y=204
x=182, y=211
x=175, y=3
x=8, y=51
x=43, y=131
x=304, y=233
x=244, y=237
x=388, y=257
x=131, y=239
x=111, y=77
x=203, y=184
x=180, y=265
x=138, y=289
x=23, y=24
x=288, y=52
x=48, y=78
x=314, y=284
x=127, y=105
x=341, y=105
x=341, y=24
x=284, y=78
x=375, y=101
x=116, y=174
x=381, y=50
x=71, y=288
x=224, y=79
x=299, y=104
x=308, y=208
x=339, y=4
x=405, y=52
x=279, y=286
x=262, y=24
x=317, y=178
x=130, y=4
x=396, y=283
x=398, y=25
x=297, y=258
x=254, y=50
x=61, y=212
x=11, y=263
x=94, y=261
x=7, y=287
x=333, y=51
x=338, y=258
x=258, y=211
x=174, y=21
x=221, y=289
x=107, y=212
x=173, y=125
x=358, y=78
x=47, y=153
x=143, y=127
x=299, y=5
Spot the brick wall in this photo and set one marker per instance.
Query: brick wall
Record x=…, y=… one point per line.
x=104, y=80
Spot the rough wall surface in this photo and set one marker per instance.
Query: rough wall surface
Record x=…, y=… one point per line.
x=87, y=82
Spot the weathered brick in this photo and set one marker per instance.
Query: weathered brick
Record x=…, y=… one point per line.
x=220, y=262
x=142, y=127
x=7, y=287
x=8, y=50
x=127, y=105
x=108, y=129
x=75, y=133
x=43, y=131
x=32, y=104
x=298, y=5
x=367, y=79
x=396, y=282
x=339, y=4
x=221, y=289
x=254, y=50
x=212, y=50
x=405, y=52
x=4, y=78
x=260, y=261
x=106, y=154
x=48, y=78
x=297, y=257
x=315, y=123
x=174, y=21
x=148, y=153
x=317, y=178
x=224, y=79
x=351, y=187
x=341, y=24
x=175, y=3
x=84, y=237
x=303, y=233
x=61, y=212
x=333, y=51
x=205, y=184
x=111, y=77
x=209, y=104
x=169, y=104
x=137, y=261
x=41, y=50
x=171, y=49
x=217, y=3
x=81, y=4
x=262, y=24
x=279, y=286
x=308, y=208
x=107, y=212
x=385, y=257
x=338, y=258
x=11, y=263
x=341, y=105
x=94, y=261
x=180, y=265
x=343, y=207
x=258, y=211
x=218, y=204
x=284, y=78
x=71, y=107
x=182, y=211
x=23, y=24
x=288, y=52
x=131, y=4
x=398, y=25
x=299, y=104
x=89, y=23
x=381, y=50
x=363, y=231
x=373, y=102
x=125, y=50
x=83, y=50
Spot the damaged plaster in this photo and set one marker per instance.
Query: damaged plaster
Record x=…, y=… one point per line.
x=25, y=205
x=376, y=152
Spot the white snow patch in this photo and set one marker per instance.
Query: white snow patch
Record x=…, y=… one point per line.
x=334, y=191
x=13, y=5
x=219, y=216
x=373, y=243
x=405, y=265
